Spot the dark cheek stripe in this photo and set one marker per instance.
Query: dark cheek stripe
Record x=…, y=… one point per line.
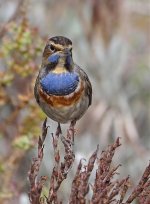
x=68, y=62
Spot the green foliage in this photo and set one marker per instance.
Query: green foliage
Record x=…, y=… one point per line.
x=2, y=169
x=21, y=47
x=20, y=50
x=23, y=142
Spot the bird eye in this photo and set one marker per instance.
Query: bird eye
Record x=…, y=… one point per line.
x=52, y=48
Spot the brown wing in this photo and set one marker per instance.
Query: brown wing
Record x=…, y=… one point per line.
x=88, y=86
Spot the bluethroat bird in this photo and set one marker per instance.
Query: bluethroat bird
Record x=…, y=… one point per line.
x=62, y=89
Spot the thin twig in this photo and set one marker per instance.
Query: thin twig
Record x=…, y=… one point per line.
x=37, y=185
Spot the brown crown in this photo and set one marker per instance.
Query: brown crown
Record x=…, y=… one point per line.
x=61, y=40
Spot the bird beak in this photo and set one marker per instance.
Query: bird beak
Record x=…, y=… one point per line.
x=62, y=58
x=67, y=51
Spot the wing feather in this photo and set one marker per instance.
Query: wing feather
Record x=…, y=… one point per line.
x=88, y=86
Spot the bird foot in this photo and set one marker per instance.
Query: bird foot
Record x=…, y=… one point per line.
x=72, y=130
x=72, y=124
x=58, y=131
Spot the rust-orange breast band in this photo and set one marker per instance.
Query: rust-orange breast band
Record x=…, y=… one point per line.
x=58, y=101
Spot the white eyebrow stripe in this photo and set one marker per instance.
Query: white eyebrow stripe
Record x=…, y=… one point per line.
x=61, y=47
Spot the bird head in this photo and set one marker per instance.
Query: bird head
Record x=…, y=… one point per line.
x=57, y=55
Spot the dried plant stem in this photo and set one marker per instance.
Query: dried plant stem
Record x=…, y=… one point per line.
x=61, y=169
x=106, y=188
x=80, y=184
x=141, y=186
x=36, y=186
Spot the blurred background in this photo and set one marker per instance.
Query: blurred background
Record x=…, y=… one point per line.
x=111, y=40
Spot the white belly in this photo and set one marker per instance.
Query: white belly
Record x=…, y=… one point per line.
x=65, y=114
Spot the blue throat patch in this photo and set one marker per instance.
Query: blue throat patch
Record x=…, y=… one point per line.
x=60, y=84
x=53, y=58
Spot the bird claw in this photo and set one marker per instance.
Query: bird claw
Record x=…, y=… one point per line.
x=59, y=131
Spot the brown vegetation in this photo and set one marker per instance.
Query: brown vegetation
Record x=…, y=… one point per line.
x=105, y=189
